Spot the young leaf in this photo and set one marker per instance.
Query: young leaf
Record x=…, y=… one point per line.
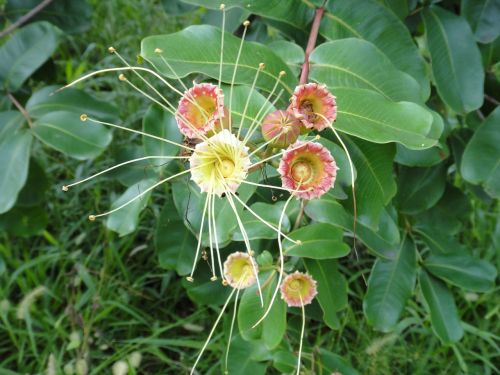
x=463, y=270
x=456, y=61
x=390, y=285
x=441, y=306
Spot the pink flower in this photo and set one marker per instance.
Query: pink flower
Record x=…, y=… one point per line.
x=281, y=126
x=298, y=289
x=308, y=167
x=314, y=105
x=199, y=108
x=239, y=270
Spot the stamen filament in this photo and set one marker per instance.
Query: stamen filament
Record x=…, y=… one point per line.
x=66, y=187
x=265, y=144
x=261, y=67
x=301, y=332
x=210, y=237
x=233, y=320
x=198, y=247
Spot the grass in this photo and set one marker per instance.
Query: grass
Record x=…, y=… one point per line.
x=79, y=293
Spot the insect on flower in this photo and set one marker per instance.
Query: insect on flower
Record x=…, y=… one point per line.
x=221, y=152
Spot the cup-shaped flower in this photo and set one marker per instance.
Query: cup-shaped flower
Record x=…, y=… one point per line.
x=239, y=270
x=281, y=128
x=199, y=108
x=220, y=163
x=308, y=168
x=314, y=105
x=298, y=289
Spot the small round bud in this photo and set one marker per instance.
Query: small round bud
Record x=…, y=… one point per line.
x=65, y=188
x=83, y=117
x=246, y=23
x=92, y=217
x=283, y=127
x=190, y=279
x=111, y=50
x=122, y=77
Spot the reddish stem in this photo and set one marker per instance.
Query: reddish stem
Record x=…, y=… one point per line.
x=311, y=43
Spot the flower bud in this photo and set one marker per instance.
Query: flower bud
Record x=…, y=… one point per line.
x=282, y=126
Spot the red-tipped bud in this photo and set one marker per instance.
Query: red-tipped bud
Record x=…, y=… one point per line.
x=281, y=126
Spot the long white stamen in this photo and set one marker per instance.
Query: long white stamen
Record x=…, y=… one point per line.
x=84, y=117
x=282, y=264
x=93, y=217
x=265, y=144
x=245, y=24
x=261, y=67
x=212, y=330
x=217, y=250
x=198, y=247
x=269, y=186
x=233, y=320
x=223, y=9
x=264, y=221
x=66, y=187
x=210, y=218
x=301, y=332
x=282, y=152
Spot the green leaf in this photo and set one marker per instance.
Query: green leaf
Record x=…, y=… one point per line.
x=174, y=243
x=291, y=53
x=420, y=188
x=66, y=133
x=24, y=221
x=332, y=289
x=295, y=13
x=176, y=7
x=369, y=115
x=328, y=210
x=463, y=271
x=390, y=285
x=196, y=49
x=319, y=241
x=15, y=145
x=456, y=61
x=241, y=359
x=125, y=220
x=72, y=16
x=483, y=16
x=162, y=124
x=441, y=306
x=250, y=311
x=25, y=52
x=33, y=192
x=255, y=228
x=333, y=363
x=206, y=292
x=256, y=101
x=375, y=185
x=366, y=19
x=481, y=158
x=45, y=101
x=439, y=241
x=399, y=7
x=358, y=63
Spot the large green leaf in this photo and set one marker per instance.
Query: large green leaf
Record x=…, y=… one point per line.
x=25, y=52
x=332, y=288
x=456, y=61
x=37, y=184
x=390, y=285
x=375, y=185
x=369, y=115
x=358, y=63
x=125, y=220
x=242, y=359
x=46, y=100
x=65, y=132
x=483, y=16
x=257, y=105
x=442, y=309
x=366, y=19
x=319, y=241
x=296, y=13
x=162, y=124
x=328, y=210
x=255, y=228
x=175, y=244
x=335, y=364
x=463, y=270
x=399, y=7
x=440, y=242
x=15, y=144
x=197, y=49
x=420, y=188
x=481, y=158
x=291, y=53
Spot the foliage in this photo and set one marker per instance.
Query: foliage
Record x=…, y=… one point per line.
x=417, y=89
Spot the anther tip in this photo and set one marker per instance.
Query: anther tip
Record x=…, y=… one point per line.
x=282, y=73
x=190, y=279
x=224, y=282
x=158, y=50
x=92, y=217
x=299, y=242
x=317, y=137
x=83, y=117
x=122, y=77
x=222, y=6
x=213, y=278
x=246, y=23
x=262, y=66
x=251, y=252
x=65, y=188
x=111, y=49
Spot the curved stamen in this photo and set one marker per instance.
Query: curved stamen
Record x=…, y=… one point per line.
x=261, y=67
x=198, y=247
x=233, y=320
x=66, y=187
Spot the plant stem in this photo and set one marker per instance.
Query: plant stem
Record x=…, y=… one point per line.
x=20, y=108
x=311, y=43
x=25, y=18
